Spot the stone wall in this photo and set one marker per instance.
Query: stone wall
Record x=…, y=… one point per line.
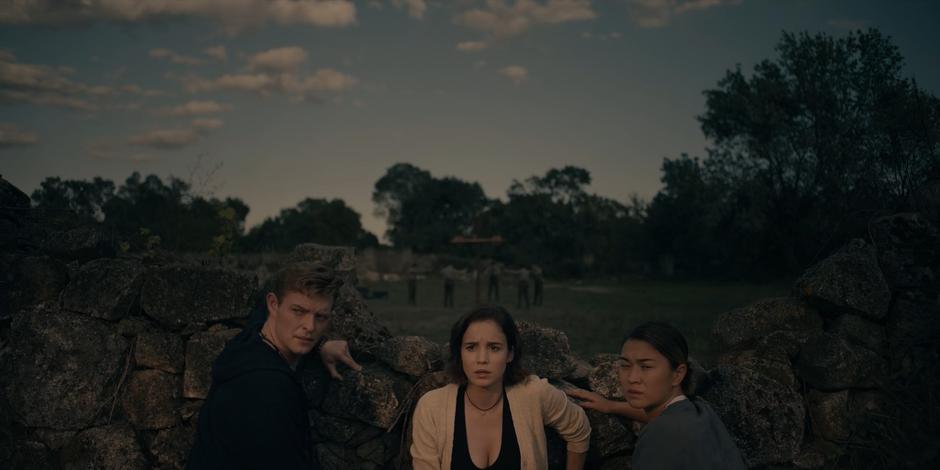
x=105, y=359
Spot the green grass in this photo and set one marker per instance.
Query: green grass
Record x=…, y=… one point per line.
x=595, y=315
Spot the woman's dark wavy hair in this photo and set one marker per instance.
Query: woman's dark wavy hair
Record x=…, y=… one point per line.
x=666, y=339
x=514, y=371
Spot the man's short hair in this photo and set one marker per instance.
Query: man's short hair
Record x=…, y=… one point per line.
x=307, y=278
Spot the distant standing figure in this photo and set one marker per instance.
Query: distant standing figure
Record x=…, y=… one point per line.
x=413, y=284
x=537, y=285
x=450, y=276
x=522, y=286
x=493, y=272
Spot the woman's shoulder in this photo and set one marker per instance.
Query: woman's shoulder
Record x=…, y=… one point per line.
x=438, y=395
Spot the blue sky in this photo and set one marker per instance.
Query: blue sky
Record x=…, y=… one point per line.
x=273, y=101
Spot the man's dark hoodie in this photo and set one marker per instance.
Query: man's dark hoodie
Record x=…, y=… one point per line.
x=255, y=416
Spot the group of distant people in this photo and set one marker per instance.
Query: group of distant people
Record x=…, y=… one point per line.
x=492, y=415
x=525, y=276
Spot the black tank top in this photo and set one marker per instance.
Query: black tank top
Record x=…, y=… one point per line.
x=509, y=458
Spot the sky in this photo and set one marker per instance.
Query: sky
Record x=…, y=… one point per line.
x=274, y=101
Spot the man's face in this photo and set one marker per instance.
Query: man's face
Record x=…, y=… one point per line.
x=297, y=321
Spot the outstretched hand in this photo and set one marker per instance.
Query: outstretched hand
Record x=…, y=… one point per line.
x=591, y=400
x=334, y=352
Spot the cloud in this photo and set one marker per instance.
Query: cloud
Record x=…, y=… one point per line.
x=416, y=8
x=44, y=85
x=233, y=15
x=207, y=124
x=12, y=136
x=194, y=108
x=471, y=46
x=165, y=139
x=108, y=150
x=516, y=73
x=658, y=13
x=499, y=20
x=293, y=84
x=847, y=24
x=217, y=53
x=174, y=57
x=282, y=59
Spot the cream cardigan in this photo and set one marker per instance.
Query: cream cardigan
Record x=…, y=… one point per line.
x=534, y=404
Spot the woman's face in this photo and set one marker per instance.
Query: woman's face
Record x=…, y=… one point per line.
x=646, y=377
x=484, y=354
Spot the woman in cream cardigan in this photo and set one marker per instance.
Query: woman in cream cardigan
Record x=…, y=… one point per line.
x=494, y=415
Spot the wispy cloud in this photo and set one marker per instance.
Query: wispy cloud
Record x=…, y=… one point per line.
x=658, y=13
x=233, y=16
x=12, y=135
x=499, y=19
x=298, y=86
x=471, y=46
x=416, y=8
x=282, y=59
x=193, y=108
x=516, y=73
x=167, y=54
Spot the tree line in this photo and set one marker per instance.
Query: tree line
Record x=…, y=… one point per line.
x=802, y=153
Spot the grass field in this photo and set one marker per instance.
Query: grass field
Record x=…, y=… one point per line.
x=595, y=315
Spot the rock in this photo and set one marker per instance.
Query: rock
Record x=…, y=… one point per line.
x=332, y=456
x=859, y=331
x=29, y=455
x=66, y=367
x=132, y=326
x=764, y=416
x=170, y=447
x=582, y=370
x=189, y=410
x=774, y=365
x=545, y=351
x=610, y=434
x=911, y=325
x=105, y=448
x=620, y=462
x=374, y=396
x=53, y=438
x=345, y=431
x=353, y=320
x=104, y=288
x=156, y=349
x=851, y=279
x=201, y=351
x=84, y=242
x=372, y=451
x=604, y=379
x=11, y=197
x=817, y=455
x=178, y=295
x=831, y=363
x=743, y=327
x=26, y=281
x=828, y=414
x=412, y=355
x=907, y=249
x=151, y=399
x=785, y=343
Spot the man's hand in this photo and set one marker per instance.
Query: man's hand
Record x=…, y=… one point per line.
x=591, y=400
x=335, y=351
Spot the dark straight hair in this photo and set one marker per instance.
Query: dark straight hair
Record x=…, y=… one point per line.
x=669, y=342
x=514, y=371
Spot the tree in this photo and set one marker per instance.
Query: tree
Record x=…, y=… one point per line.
x=818, y=141
x=329, y=222
x=423, y=212
x=83, y=199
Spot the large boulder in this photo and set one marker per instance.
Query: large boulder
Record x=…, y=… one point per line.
x=341, y=259
x=546, y=352
x=829, y=414
x=764, y=416
x=831, y=363
x=604, y=378
x=30, y=280
x=375, y=396
x=112, y=447
x=28, y=455
x=610, y=434
x=170, y=447
x=181, y=295
x=859, y=331
x=412, y=355
x=772, y=364
x=743, y=327
x=104, y=288
x=66, y=368
x=157, y=349
x=848, y=279
x=908, y=249
x=201, y=351
x=151, y=399
x=353, y=321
